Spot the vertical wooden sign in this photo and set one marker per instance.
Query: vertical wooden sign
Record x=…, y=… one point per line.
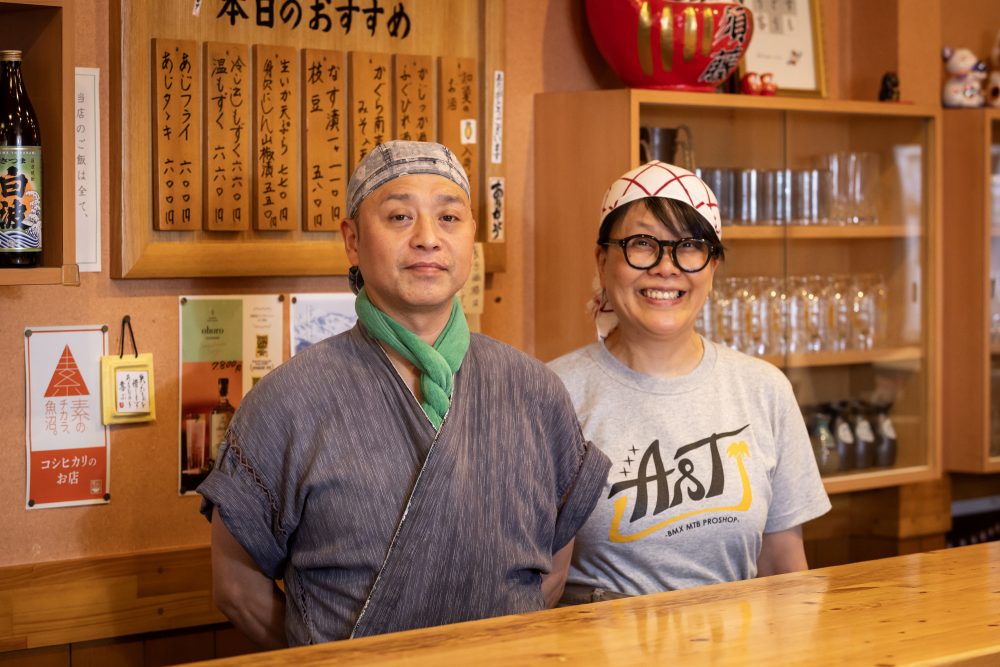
x=371, y=112
x=177, y=185
x=415, y=104
x=459, y=93
x=276, y=137
x=227, y=136
x=324, y=117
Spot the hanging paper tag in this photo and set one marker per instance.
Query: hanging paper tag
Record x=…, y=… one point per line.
x=127, y=389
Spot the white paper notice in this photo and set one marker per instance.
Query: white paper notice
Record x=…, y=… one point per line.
x=67, y=445
x=262, y=337
x=496, y=141
x=87, y=168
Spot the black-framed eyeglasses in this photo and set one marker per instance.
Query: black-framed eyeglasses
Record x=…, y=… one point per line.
x=643, y=252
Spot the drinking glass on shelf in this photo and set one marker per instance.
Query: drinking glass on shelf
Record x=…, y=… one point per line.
x=727, y=313
x=753, y=319
x=776, y=305
x=864, y=311
x=748, y=197
x=855, y=187
x=806, y=314
x=837, y=304
x=721, y=182
x=807, y=197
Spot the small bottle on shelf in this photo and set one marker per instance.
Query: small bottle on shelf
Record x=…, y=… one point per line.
x=823, y=443
x=20, y=169
x=219, y=420
x=843, y=435
x=886, y=448
x=864, y=435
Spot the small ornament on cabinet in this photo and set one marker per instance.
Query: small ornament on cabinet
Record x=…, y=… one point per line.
x=964, y=87
x=753, y=83
x=889, y=89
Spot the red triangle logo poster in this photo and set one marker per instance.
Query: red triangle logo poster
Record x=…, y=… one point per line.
x=67, y=380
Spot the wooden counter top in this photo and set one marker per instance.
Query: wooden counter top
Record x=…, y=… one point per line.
x=931, y=608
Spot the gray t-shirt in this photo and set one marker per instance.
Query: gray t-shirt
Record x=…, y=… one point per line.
x=701, y=467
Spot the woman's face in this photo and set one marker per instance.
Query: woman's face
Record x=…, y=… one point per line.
x=660, y=303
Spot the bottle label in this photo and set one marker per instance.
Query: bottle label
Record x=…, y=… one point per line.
x=20, y=199
x=864, y=431
x=844, y=433
x=218, y=424
x=888, y=430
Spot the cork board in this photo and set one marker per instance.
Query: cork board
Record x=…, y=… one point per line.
x=252, y=238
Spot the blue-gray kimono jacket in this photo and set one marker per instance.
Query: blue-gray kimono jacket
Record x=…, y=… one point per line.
x=333, y=479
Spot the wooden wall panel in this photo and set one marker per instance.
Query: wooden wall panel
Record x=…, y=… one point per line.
x=124, y=652
x=88, y=599
x=142, y=252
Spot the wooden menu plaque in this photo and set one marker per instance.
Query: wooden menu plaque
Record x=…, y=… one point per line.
x=276, y=137
x=458, y=89
x=416, y=105
x=371, y=110
x=325, y=117
x=177, y=147
x=227, y=137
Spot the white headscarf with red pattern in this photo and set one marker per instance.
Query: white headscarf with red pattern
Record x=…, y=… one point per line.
x=653, y=179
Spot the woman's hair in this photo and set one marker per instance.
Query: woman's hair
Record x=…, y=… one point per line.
x=679, y=218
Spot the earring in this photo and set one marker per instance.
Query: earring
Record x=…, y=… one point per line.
x=355, y=279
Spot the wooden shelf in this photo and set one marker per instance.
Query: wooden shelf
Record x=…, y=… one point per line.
x=847, y=358
x=757, y=102
x=795, y=232
x=874, y=478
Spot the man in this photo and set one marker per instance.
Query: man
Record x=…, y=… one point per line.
x=405, y=473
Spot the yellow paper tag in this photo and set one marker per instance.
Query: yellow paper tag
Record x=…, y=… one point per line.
x=127, y=394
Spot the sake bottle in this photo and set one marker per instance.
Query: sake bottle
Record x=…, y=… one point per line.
x=20, y=169
x=864, y=436
x=843, y=435
x=885, y=449
x=823, y=443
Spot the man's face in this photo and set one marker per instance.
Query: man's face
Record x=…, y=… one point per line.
x=413, y=241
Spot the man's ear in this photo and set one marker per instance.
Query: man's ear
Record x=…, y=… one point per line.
x=349, y=230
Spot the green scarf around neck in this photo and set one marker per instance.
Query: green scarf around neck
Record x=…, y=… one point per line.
x=437, y=365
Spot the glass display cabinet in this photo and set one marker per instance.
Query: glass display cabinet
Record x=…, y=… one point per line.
x=971, y=199
x=830, y=227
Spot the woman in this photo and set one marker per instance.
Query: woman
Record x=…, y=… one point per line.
x=712, y=471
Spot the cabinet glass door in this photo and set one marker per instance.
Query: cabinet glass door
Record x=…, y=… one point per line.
x=994, y=290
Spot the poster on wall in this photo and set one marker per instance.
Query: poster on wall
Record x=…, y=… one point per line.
x=314, y=317
x=228, y=343
x=67, y=446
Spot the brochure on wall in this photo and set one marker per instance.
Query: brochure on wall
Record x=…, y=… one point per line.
x=318, y=316
x=228, y=343
x=68, y=461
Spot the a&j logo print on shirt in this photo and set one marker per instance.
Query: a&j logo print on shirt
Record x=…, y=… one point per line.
x=681, y=491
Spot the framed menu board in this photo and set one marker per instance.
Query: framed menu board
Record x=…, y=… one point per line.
x=236, y=123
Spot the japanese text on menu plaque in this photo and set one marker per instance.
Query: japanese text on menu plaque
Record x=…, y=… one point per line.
x=325, y=176
x=177, y=148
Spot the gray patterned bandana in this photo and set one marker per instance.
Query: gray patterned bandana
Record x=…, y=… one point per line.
x=393, y=159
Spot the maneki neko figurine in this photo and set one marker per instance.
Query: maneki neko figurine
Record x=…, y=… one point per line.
x=964, y=87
